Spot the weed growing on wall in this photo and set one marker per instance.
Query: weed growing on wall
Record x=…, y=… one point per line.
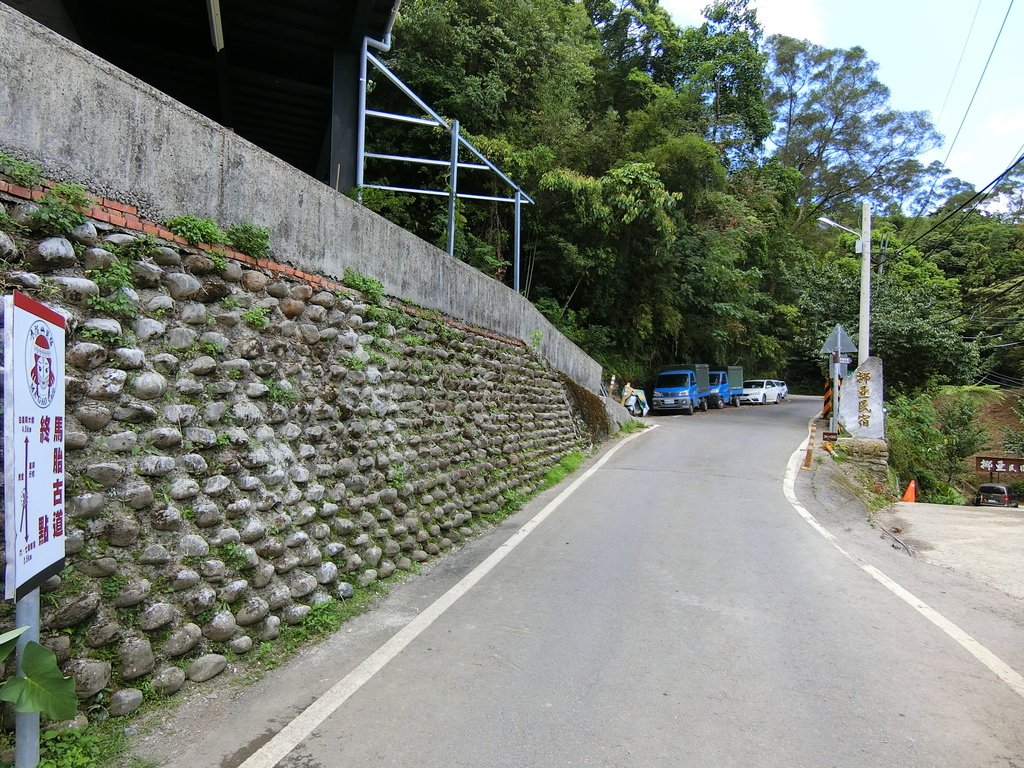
x=113, y=280
x=565, y=467
x=280, y=393
x=249, y=239
x=375, y=313
x=137, y=249
x=372, y=289
x=7, y=224
x=196, y=230
x=445, y=331
x=99, y=335
x=25, y=174
x=112, y=586
x=70, y=748
x=352, y=362
x=234, y=556
x=218, y=258
x=58, y=211
x=257, y=317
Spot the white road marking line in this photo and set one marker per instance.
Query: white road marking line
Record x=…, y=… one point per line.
x=1000, y=668
x=310, y=718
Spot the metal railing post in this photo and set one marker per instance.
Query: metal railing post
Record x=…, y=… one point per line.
x=518, y=240
x=453, y=187
x=361, y=127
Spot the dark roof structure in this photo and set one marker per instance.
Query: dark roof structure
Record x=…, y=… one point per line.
x=283, y=75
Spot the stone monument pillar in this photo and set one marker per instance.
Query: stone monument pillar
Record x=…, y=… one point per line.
x=861, y=412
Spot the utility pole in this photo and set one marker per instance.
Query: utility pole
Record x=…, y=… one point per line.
x=864, y=340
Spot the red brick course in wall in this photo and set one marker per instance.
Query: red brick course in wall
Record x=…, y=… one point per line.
x=127, y=217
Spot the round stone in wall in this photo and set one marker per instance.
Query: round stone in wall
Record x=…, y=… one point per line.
x=182, y=640
x=90, y=675
x=7, y=247
x=221, y=627
x=181, y=285
x=98, y=568
x=103, y=631
x=51, y=254
x=130, y=358
x=271, y=629
x=149, y=386
x=132, y=593
x=137, y=658
x=254, y=281
x=254, y=610
x=168, y=681
x=156, y=616
x=166, y=257
x=206, y=667
x=73, y=611
x=124, y=702
x=121, y=530
x=240, y=644
x=87, y=355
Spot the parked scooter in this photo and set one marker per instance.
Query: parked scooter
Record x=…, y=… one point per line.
x=634, y=400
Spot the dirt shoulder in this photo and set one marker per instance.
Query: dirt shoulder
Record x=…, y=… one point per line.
x=984, y=543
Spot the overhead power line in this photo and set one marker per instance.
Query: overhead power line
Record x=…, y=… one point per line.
x=980, y=79
x=971, y=201
x=952, y=81
x=977, y=87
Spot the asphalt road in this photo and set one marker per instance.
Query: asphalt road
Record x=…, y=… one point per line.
x=674, y=609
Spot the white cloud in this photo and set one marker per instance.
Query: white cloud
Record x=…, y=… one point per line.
x=685, y=13
x=1006, y=123
x=801, y=19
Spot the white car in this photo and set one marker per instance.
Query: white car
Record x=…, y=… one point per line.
x=761, y=391
x=782, y=385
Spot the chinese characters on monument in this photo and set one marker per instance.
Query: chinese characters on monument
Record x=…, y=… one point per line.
x=861, y=411
x=33, y=444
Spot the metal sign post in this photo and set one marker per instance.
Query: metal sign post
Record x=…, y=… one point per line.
x=33, y=474
x=836, y=346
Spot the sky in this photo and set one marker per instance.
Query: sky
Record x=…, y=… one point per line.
x=931, y=55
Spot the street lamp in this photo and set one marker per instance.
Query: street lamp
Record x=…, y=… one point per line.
x=864, y=248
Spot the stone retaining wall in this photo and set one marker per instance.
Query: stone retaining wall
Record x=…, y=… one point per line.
x=244, y=446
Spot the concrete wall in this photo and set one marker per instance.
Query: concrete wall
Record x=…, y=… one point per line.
x=83, y=120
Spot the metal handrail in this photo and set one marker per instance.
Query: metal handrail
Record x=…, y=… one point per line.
x=453, y=162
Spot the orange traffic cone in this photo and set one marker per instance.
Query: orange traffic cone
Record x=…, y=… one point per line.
x=911, y=493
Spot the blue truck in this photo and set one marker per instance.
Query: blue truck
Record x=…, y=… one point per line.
x=726, y=386
x=681, y=387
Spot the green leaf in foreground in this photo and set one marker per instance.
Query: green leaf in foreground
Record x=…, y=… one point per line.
x=9, y=640
x=43, y=688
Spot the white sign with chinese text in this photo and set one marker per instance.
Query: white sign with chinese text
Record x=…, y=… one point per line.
x=33, y=444
x=1000, y=465
x=861, y=410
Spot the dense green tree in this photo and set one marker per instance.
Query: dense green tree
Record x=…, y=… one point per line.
x=915, y=325
x=723, y=68
x=836, y=127
x=640, y=42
